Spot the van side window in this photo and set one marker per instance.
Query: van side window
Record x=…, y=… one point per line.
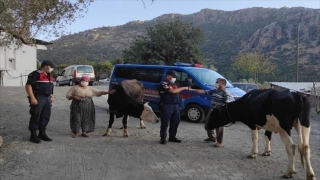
x=149, y=74
x=141, y=74
x=63, y=72
x=67, y=72
x=70, y=72
x=124, y=72
x=181, y=80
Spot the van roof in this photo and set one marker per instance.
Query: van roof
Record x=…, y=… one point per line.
x=80, y=65
x=77, y=65
x=159, y=66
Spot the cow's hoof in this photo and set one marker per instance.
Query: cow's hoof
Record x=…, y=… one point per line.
x=311, y=177
x=142, y=127
x=252, y=155
x=125, y=133
x=267, y=153
x=289, y=175
x=108, y=132
x=105, y=134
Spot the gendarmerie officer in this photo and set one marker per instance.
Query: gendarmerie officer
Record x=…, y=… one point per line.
x=39, y=88
x=169, y=106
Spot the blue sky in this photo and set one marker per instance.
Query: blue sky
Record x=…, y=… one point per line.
x=118, y=12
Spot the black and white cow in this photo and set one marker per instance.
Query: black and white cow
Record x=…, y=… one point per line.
x=275, y=111
x=127, y=101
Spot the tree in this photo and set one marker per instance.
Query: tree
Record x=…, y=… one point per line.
x=25, y=19
x=254, y=63
x=166, y=43
x=102, y=67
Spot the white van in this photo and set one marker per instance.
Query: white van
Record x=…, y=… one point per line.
x=71, y=75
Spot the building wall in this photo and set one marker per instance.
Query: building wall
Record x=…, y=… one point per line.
x=17, y=62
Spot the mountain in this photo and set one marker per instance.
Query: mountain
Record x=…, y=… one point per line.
x=271, y=31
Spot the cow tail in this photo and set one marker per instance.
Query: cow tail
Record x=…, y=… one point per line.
x=304, y=121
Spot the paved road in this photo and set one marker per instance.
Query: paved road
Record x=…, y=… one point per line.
x=138, y=157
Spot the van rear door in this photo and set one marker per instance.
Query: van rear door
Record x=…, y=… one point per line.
x=84, y=70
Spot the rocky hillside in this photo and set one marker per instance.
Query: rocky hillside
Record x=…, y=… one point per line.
x=273, y=32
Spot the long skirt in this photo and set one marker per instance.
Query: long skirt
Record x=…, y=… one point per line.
x=82, y=115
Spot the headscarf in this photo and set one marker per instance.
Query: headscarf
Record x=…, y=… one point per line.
x=85, y=78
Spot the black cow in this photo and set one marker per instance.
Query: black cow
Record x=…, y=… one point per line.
x=127, y=101
x=275, y=111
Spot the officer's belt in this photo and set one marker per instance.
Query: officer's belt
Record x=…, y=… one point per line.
x=42, y=95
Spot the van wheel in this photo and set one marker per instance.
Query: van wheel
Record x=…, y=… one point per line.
x=57, y=83
x=195, y=113
x=71, y=83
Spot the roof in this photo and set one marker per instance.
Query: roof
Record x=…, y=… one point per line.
x=28, y=41
x=302, y=87
x=41, y=42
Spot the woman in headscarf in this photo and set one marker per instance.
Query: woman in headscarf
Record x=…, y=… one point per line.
x=82, y=115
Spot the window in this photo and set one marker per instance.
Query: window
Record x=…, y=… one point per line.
x=85, y=69
x=12, y=63
x=149, y=74
x=124, y=72
x=141, y=74
x=207, y=76
x=182, y=79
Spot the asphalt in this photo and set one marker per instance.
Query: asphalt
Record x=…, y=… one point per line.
x=138, y=157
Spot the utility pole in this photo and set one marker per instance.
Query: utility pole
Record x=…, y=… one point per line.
x=297, y=61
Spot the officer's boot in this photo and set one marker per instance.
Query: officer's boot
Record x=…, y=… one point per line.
x=34, y=138
x=42, y=135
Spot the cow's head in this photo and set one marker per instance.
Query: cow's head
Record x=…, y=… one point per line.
x=218, y=118
x=148, y=114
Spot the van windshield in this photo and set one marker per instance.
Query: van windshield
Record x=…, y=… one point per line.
x=85, y=69
x=207, y=76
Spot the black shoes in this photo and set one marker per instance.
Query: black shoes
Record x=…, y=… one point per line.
x=34, y=138
x=163, y=141
x=174, y=139
x=43, y=136
x=171, y=139
x=210, y=140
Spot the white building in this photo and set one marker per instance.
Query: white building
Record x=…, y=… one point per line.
x=16, y=62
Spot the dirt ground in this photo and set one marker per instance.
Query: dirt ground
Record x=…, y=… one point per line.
x=138, y=157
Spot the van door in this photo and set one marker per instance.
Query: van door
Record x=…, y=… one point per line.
x=69, y=75
x=181, y=81
x=191, y=104
x=150, y=77
x=62, y=78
